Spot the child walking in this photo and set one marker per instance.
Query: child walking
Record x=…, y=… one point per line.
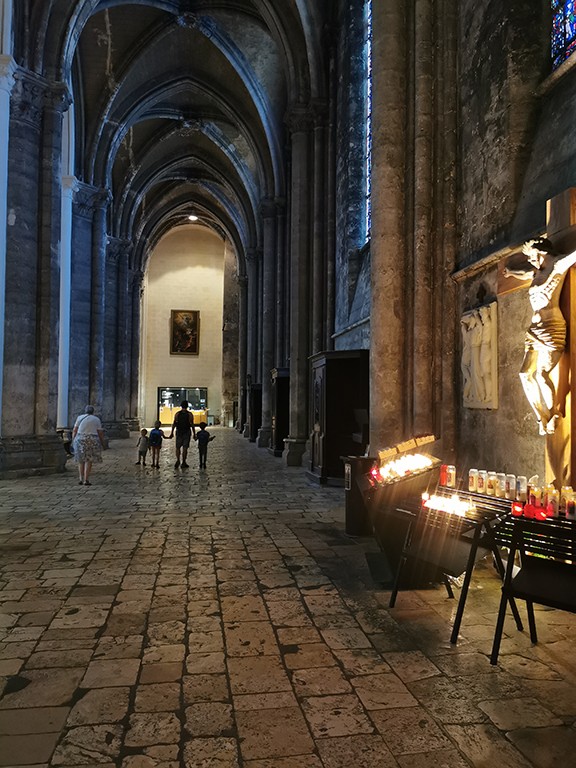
x=156, y=437
x=203, y=437
x=142, y=446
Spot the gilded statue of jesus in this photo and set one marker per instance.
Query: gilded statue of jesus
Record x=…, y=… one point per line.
x=546, y=335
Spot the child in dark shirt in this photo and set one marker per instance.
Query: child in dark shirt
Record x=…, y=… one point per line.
x=203, y=437
x=156, y=437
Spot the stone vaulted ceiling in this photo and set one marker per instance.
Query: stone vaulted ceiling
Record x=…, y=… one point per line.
x=180, y=107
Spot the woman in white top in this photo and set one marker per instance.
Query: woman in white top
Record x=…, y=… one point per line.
x=88, y=441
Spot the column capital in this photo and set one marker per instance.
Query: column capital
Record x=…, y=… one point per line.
x=118, y=249
x=28, y=96
x=69, y=185
x=253, y=255
x=8, y=69
x=299, y=118
x=58, y=97
x=88, y=199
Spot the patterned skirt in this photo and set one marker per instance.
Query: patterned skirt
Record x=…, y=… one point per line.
x=87, y=448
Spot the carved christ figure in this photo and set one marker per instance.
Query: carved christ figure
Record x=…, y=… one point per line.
x=546, y=335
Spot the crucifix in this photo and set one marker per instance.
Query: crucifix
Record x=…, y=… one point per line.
x=549, y=364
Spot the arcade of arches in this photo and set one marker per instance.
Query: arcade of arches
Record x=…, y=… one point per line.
x=119, y=120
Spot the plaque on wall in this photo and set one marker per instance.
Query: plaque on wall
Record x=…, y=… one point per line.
x=479, y=362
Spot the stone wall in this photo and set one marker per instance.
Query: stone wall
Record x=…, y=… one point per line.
x=516, y=151
x=506, y=438
x=502, y=60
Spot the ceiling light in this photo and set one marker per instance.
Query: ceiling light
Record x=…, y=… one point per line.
x=192, y=217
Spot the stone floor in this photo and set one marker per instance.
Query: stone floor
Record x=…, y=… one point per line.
x=223, y=618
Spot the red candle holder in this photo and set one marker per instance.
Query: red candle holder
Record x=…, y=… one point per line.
x=517, y=508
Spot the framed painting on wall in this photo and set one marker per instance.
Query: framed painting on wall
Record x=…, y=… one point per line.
x=184, y=332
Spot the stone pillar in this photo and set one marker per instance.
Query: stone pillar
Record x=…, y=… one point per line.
x=30, y=375
x=57, y=100
x=115, y=358
x=388, y=241
x=7, y=70
x=69, y=186
x=83, y=207
x=137, y=291
x=242, y=350
x=319, y=272
x=330, y=212
x=123, y=355
x=424, y=271
x=300, y=125
x=98, y=300
x=268, y=213
x=253, y=257
x=281, y=340
x=110, y=332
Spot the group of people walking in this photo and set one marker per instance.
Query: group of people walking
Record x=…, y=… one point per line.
x=88, y=441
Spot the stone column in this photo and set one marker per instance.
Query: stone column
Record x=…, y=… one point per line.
x=83, y=208
x=69, y=186
x=243, y=350
x=137, y=291
x=300, y=126
x=98, y=300
x=123, y=356
x=424, y=271
x=31, y=315
x=268, y=213
x=388, y=241
x=110, y=323
x=281, y=340
x=319, y=274
x=7, y=70
x=22, y=246
x=56, y=101
x=116, y=355
x=253, y=257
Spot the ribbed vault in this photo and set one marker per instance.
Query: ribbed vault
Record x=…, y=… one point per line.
x=179, y=106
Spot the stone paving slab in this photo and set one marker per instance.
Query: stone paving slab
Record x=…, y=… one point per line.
x=177, y=619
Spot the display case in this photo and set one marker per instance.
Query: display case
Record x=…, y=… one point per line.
x=169, y=399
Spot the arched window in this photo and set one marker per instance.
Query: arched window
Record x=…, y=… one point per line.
x=563, y=31
x=368, y=117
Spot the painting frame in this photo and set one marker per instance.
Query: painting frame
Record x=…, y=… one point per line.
x=184, y=332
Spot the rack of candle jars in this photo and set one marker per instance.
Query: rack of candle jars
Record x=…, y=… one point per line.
x=452, y=505
x=403, y=461
x=544, y=502
x=498, y=484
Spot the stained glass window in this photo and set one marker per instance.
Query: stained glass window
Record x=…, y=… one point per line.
x=368, y=113
x=563, y=31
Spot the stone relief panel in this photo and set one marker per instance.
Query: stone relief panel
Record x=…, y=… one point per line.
x=479, y=362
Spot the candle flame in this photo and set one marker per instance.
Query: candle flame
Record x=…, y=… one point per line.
x=454, y=505
x=405, y=465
